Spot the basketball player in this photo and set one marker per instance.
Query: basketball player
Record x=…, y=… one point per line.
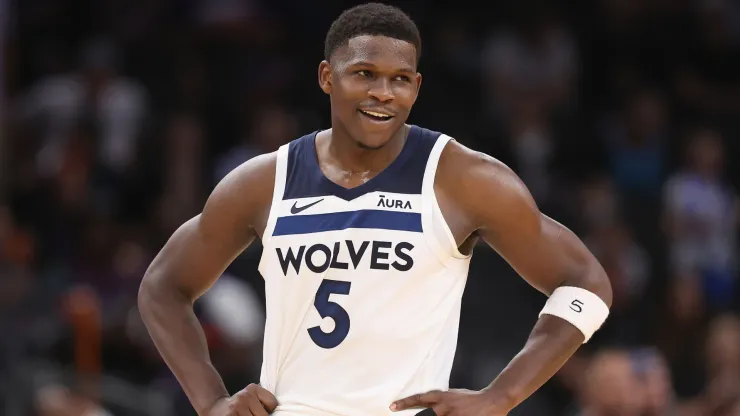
x=367, y=230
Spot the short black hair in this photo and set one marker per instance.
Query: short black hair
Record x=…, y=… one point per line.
x=372, y=19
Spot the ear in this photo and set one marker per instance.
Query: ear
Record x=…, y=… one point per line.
x=325, y=72
x=418, y=85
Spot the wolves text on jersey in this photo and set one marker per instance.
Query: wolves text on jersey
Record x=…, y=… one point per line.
x=379, y=252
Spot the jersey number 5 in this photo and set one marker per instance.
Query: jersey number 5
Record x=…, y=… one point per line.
x=332, y=310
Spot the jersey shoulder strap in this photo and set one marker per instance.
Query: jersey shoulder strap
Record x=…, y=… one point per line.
x=435, y=227
x=281, y=171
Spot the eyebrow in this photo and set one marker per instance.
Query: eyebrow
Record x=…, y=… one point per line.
x=371, y=65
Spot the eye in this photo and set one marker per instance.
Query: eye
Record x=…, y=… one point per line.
x=364, y=73
x=403, y=78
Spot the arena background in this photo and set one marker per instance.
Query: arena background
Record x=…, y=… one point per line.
x=119, y=116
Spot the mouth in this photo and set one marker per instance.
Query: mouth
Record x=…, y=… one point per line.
x=376, y=116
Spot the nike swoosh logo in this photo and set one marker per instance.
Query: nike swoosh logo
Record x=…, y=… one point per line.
x=294, y=209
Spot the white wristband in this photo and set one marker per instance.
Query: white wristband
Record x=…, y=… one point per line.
x=584, y=309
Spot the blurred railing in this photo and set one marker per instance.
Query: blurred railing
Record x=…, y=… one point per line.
x=121, y=398
x=26, y=381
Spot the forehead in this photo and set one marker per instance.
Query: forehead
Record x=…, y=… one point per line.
x=381, y=51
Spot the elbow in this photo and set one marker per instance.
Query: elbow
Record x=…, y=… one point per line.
x=152, y=291
x=145, y=295
x=157, y=291
x=593, y=278
x=597, y=281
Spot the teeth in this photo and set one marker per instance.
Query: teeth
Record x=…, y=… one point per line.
x=373, y=113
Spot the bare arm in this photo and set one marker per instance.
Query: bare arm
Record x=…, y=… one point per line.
x=189, y=263
x=545, y=253
x=483, y=198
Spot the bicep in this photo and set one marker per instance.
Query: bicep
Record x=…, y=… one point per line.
x=201, y=249
x=546, y=255
x=196, y=255
x=542, y=251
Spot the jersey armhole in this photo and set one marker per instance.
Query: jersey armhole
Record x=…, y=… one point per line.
x=281, y=171
x=436, y=229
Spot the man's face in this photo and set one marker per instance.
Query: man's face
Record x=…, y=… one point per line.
x=372, y=83
x=611, y=387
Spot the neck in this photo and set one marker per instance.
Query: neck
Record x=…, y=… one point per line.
x=347, y=152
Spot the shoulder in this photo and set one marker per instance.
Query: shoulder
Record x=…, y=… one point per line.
x=246, y=191
x=481, y=185
x=469, y=169
x=257, y=173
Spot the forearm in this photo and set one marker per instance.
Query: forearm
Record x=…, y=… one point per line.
x=179, y=337
x=552, y=342
x=555, y=338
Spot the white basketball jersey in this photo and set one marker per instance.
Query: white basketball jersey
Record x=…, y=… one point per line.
x=363, y=285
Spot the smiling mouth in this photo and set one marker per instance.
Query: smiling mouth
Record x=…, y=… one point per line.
x=375, y=115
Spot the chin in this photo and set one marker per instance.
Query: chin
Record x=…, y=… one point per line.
x=373, y=141
x=371, y=144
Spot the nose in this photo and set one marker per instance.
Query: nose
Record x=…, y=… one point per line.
x=381, y=90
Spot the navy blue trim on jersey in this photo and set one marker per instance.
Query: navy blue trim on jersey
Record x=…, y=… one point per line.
x=335, y=221
x=304, y=178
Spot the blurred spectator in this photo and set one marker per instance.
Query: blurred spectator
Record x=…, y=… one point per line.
x=529, y=76
x=96, y=93
x=224, y=12
x=655, y=378
x=722, y=350
x=531, y=67
x=533, y=151
x=235, y=321
x=599, y=204
x=628, y=266
x=56, y=400
x=17, y=246
x=707, y=79
x=701, y=214
x=183, y=195
x=233, y=307
x=611, y=387
x=272, y=126
x=636, y=142
x=722, y=357
x=679, y=331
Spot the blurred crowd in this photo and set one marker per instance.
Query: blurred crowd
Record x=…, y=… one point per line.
x=119, y=117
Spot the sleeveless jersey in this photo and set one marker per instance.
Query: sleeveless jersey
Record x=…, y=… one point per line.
x=363, y=286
